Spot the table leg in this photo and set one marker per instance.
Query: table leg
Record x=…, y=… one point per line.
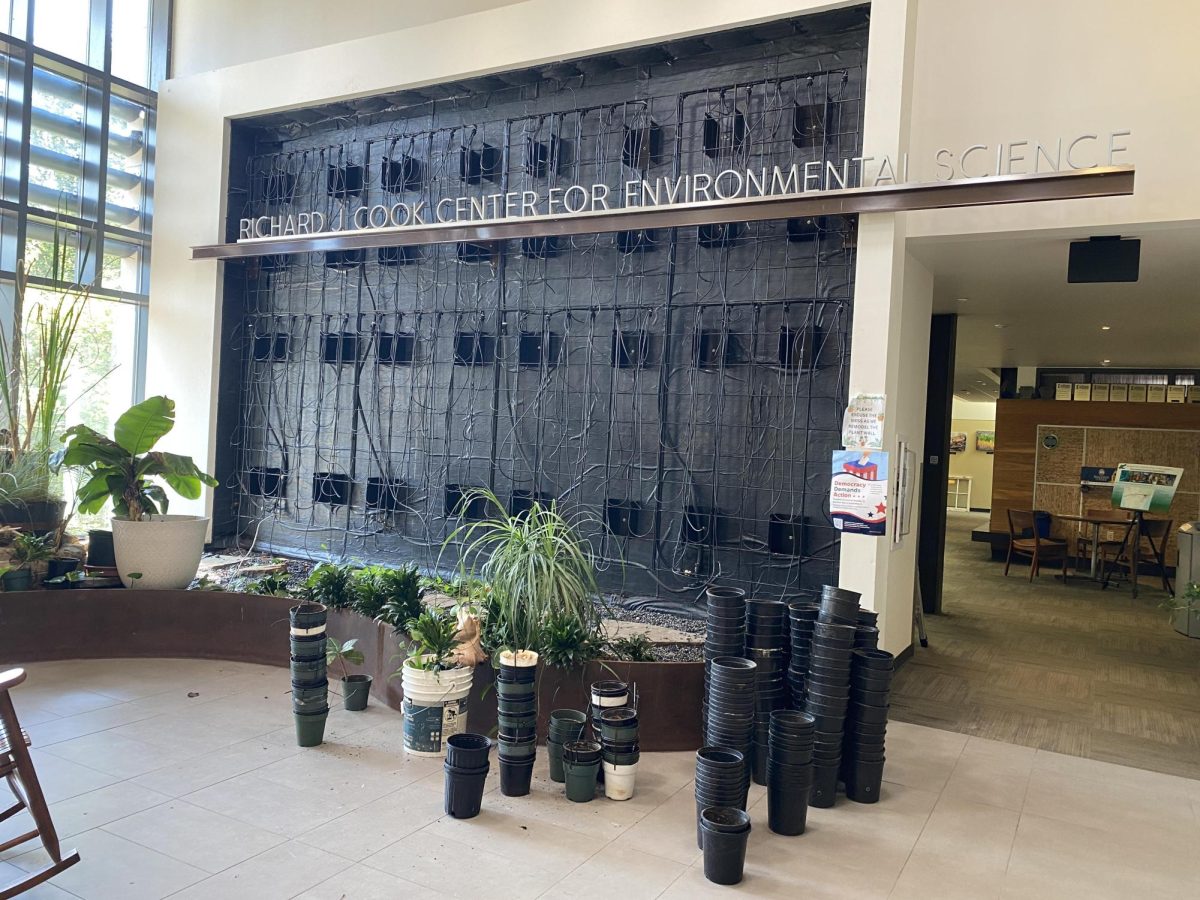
x=1133, y=556
x=1095, y=548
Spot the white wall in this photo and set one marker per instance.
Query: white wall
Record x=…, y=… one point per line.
x=213, y=34
x=989, y=71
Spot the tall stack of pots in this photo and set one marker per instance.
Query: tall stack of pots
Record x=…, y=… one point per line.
x=566, y=725
x=516, y=704
x=606, y=695
x=620, y=751
x=766, y=645
x=789, y=771
x=731, y=698
x=726, y=631
x=466, y=768
x=310, y=681
x=866, y=724
x=722, y=779
x=866, y=634
x=803, y=616
x=828, y=696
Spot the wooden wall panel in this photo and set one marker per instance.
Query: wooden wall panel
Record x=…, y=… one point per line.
x=1017, y=424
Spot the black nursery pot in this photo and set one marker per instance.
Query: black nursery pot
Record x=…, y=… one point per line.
x=464, y=790
x=308, y=648
x=308, y=615
x=726, y=831
x=869, y=698
x=468, y=751
x=824, y=786
x=58, y=567
x=518, y=674
x=510, y=706
x=515, y=690
x=871, y=679
x=787, y=806
x=864, y=781
x=308, y=672
x=515, y=776
x=874, y=659
x=100, y=551
x=727, y=597
x=876, y=715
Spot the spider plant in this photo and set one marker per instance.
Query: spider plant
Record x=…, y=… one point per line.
x=540, y=569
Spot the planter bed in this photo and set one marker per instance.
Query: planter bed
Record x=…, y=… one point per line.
x=109, y=624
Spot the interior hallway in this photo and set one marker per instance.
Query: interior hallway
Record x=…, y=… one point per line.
x=1062, y=667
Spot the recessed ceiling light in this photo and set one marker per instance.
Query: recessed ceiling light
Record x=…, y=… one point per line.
x=1106, y=328
x=1105, y=362
x=1000, y=325
x=961, y=300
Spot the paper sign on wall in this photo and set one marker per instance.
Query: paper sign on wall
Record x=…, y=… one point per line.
x=1156, y=393
x=1062, y=390
x=862, y=425
x=1119, y=392
x=858, y=492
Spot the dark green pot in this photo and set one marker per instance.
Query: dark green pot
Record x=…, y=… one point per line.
x=18, y=580
x=310, y=729
x=581, y=780
x=554, y=754
x=521, y=690
x=356, y=691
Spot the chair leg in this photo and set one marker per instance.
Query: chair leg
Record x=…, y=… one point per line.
x=1008, y=559
x=20, y=887
x=1033, y=565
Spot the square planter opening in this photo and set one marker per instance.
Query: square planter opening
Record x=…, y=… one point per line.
x=272, y=347
x=395, y=348
x=477, y=166
x=279, y=187
x=797, y=348
x=273, y=263
x=711, y=139
x=266, y=481
x=343, y=260
x=332, y=488
x=621, y=516
x=534, y=347
x=400, y=173
x=344, y=181
x=699, y=525
x=711, y=142
x=474, y=348
x=339, y=347
x=474, y=252
x=543, y=158
x=539, y=247
x=785, y=534
x=457, y=506
x=811, y=122
x=642, y=146
x=720, y=234
x=386, y=494
x=714, y=349
x=522, y=501
x=630, y=349
x=399, y=256
x=806, y=229
x=636, y=241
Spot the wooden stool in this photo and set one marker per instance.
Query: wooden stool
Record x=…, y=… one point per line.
x=16, y=767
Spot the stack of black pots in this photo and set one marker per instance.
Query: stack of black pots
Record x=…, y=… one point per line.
x=726, y=631
x=866, y=724
x=866, y=635
x=310, y=682
x=803, y=616
x=722, y=779
x=828, y=696
x=731, y=696
x=766, y=646
x=516, y=706
x=466, y=770
x=789, y=771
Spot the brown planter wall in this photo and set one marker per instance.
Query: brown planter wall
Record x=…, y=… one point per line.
x=36, y=626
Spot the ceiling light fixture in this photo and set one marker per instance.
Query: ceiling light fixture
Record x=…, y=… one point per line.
x=1106, y=328
x=1105, y=362
x=1000, y=325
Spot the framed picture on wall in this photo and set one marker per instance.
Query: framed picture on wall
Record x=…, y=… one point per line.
x=985, y=441
x=958, y=441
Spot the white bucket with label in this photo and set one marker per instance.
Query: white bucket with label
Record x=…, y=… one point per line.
x=434, y=707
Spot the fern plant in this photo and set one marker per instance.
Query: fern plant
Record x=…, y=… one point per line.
x=332, y=585
x=390, y=595
x=273, y=585
x=634, y=648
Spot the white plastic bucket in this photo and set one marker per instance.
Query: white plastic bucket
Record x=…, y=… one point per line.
x=606, y=702
x=434, y=707
x=619, y=780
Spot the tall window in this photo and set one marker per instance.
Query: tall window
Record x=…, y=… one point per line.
x=78, y=81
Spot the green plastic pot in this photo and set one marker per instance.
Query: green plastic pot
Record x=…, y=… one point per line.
x=581, y=780
x=356, y=691
x=310, y=728
x=555, y=754
x=519, y=690
x=18, y=580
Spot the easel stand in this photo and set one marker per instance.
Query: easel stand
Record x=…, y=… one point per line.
x=919, y=609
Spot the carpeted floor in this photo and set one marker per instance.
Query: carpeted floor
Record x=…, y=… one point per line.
x=1062, y=667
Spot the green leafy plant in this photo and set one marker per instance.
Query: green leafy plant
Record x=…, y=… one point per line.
x=566, y=642
x=124, y=467
x=343, y=654
x=273, y=585
x=1189, y=602
x=204, y=583
x=390, y=595
x=537, y=564
x=433, y=640
x=30, y=548
x=332, y=585
x=634, y=648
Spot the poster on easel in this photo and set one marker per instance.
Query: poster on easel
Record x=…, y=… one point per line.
x=858, y=492
x=1145, y=488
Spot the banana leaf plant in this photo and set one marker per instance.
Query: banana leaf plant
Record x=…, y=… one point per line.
x=126, y=467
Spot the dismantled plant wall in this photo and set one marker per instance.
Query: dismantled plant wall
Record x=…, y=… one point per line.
x=682, y=388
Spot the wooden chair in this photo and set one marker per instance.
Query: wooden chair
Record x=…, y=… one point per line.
x=1112, y=540
x=1023, y=540
x=1154, y=537
x=16, y=767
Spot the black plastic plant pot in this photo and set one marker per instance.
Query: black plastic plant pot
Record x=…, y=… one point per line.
x=310, y=727
x=467, y=750
x=308, y=672
x=308, y=615
x=621, y=759
x=804, y=611
x=603, y=691
x=758, y=765
x=867, y=616
x=517, y=727
x=766, y=608
x=515, y=776
x=725, y=596
x=511, y=707
x=100, y=553
x=56, y=568
x=464, y=789
x=512, y=747
x=787, y=757
x=863, y=781
x=308, y=648
x=515, y=690
x=871, y=679
x=869, y=698
x=792, y=721
x=837, y=593
x=580, y=776
x=787, y=807
x=518, y=674
x=829, y=721
x=726, y=831
x=734, y=669
x=872, y=714
x=874, y=659
x=356, y=691
x=716, y=758
x=837, y=634
x=307, y=705
x=824, y=787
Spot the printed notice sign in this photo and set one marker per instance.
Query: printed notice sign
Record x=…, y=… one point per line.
x=862, y=426
x=858, y=492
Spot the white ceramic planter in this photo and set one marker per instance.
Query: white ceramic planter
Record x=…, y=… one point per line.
x=619, y=781
x=164, y=549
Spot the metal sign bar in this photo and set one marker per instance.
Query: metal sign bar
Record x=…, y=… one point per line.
x=1101, y=181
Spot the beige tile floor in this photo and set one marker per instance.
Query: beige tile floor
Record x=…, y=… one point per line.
x=166, y=794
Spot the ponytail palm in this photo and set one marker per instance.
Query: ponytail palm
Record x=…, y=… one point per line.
x=539, y=568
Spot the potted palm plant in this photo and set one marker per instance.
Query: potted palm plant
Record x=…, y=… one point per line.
x=356, y=689
x=27, y=550
x=436, y=683
x=154, y=550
